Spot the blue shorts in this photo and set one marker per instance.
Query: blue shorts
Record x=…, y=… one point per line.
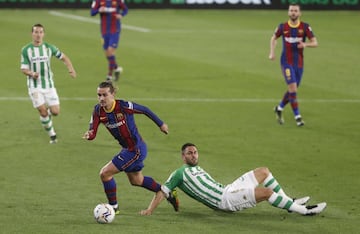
x=292, y=74
x=131, y=161
x=111, y=40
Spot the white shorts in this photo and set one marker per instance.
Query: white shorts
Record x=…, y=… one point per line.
x=44, y=96
x=240, y=194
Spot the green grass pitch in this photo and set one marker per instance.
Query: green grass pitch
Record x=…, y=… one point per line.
x=207, y=74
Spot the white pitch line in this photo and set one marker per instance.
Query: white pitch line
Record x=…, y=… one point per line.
x=215, y=100
x=96, y=21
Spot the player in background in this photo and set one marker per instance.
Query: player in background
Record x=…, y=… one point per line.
x=294, y=33
x=35, y=64
x=118, y=117
x=111, y=12
x=243, y=193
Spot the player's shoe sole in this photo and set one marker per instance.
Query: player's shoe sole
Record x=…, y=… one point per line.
x=301, y=200
x=315, y=209
x=117, y=211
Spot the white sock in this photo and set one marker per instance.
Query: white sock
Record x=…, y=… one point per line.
x=279, y=201
x=271, y=183
x=46, y=122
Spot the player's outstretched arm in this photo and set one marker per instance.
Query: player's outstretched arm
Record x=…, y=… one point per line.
x=157, y=199
x=69, y=65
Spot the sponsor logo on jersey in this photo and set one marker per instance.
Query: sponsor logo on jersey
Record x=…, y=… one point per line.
x=115, y=125
x=39, y=59
x=293, y=39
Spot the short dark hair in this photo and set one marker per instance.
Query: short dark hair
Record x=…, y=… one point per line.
x=186, y=145
x=38, y=26
x=107, y=84
x=295, y=4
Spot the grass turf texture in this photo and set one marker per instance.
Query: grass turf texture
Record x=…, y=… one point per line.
x=206, y=73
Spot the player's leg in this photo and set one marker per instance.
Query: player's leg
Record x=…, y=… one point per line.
x=53, y=108
x=114, y=43
x=292, y=78
x=107, y=178
x=39, y=102
x=133, y=166
x=108, y=54
x=110, y=49
x=265, y=177
x=279, y=201
x=295, y=105
x=286, y=71
x=147, y=182
x=284, y=101
x=46, y=122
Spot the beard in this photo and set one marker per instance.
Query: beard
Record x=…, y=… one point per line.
x=294, y=17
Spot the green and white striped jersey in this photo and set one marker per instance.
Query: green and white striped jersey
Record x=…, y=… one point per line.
x=196, y=183
x=37, y=59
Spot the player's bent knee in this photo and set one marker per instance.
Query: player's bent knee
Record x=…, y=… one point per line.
x=105, y=175
x=263, y=172
x=262, y=194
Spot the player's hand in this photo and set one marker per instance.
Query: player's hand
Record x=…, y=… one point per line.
x=164, y=128
x=102, y=9
x=145, y=212
x=272, y=56
x=301, y=45
x=87, y=134
x=35, y=75
x=72, y=73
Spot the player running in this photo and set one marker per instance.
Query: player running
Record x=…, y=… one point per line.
x=35, y=64
x=118, y=117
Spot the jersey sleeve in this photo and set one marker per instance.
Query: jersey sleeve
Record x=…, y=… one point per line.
x=24, y=60
x=95, y=5
x=279, y=31
x=55, y=51
x=123, y=7
x=94, y=123
x=308, y=31
x=139, y=109
x=174, y=180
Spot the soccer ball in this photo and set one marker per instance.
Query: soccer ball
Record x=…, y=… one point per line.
x=104, y=213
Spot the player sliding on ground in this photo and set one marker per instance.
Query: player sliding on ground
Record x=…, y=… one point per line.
x=243, y=193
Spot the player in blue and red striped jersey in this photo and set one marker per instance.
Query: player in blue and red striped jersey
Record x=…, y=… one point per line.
x=294, y=33
x=111, y=12
x=118, y=117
